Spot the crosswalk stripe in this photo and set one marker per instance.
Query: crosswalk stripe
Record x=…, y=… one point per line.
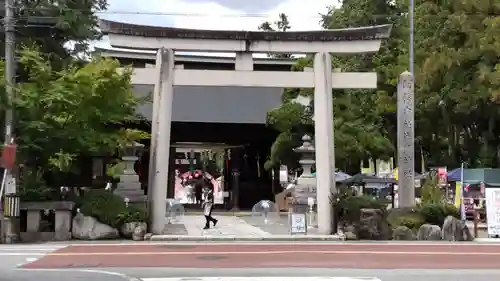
x=274, y=278
x=24, y=254
x=25, y=250
x=13, y=249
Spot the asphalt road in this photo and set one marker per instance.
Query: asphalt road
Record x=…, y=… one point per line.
x=158, y=262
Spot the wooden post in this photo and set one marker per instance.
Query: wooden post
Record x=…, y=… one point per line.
x=476, y=222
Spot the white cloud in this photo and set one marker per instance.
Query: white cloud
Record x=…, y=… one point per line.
x=209, y=14
x=302, y=16
x=203, y=14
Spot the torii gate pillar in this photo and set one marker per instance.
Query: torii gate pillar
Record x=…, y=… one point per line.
x=323, y=137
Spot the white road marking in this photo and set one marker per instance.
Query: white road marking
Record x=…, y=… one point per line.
x=28, y=250
x=30, y=253
x=318, y=278
x=104, y=272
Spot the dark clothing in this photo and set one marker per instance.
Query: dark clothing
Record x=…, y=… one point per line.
x=208, y=204
x=209, y=218
x=198, y=190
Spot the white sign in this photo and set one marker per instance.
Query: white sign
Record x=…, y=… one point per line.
x=298, y=223
x=283, y=174
x=493, y=210
x=10, y=184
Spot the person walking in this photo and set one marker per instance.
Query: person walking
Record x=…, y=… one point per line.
x=208, y=204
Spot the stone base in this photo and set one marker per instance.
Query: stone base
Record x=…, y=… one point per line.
x=134, y=195
x=30, y=237
x=129, y=179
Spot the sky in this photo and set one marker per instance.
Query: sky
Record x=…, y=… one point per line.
x=216, y=14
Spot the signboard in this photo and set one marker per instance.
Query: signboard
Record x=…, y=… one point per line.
x=10, y=184
x=298, y=223
x=442, y=176
x=493, y=210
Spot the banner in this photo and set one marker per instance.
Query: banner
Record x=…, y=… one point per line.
x=493, y=210
x=458, y=194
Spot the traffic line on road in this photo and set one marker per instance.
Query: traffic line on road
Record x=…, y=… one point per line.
x=274, y=278
x=31, y=253
x=340, y=252
x=28, y=250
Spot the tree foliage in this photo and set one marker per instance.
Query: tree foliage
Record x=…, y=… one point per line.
x=457, y=83
x=282, y=24
x=63, y=114
x=358, y=123
x=52, y=24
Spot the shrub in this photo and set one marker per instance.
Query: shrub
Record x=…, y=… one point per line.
x=451, y=210
x=431, y=192
x=110, y=209
x=409, y=217
x=437, y=213
x=412, y=222
x=33, y=187
x=349, y=208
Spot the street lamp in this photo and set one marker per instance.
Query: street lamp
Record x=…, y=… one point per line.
x=133, y=149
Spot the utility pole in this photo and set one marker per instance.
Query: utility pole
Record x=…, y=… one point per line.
x=11, y=210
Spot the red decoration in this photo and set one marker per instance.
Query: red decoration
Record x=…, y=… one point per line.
x=9, y=156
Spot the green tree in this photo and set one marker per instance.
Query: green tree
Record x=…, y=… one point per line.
x=52, y=24
x=458, y=81
x=360, y=116
x=62, y=114
x=378, y=106
x=282, y=25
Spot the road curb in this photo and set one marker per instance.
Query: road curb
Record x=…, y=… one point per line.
x=275, y=238
x=487, y=240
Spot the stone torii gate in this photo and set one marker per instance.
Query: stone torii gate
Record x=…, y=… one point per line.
x=165, y=75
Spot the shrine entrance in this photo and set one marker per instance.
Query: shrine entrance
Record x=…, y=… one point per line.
x=233, y=154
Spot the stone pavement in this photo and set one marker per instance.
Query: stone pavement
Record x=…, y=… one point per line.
x=227, y=225
x=230, y=228
x=245, y=227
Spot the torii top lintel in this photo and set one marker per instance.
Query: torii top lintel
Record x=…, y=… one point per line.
x=152, y=37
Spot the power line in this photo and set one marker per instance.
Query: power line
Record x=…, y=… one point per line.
x=241, y=16
x=174, y=14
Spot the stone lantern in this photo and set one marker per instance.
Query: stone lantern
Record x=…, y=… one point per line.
x=131, y=154
x=129, y=185
x=304, y=194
